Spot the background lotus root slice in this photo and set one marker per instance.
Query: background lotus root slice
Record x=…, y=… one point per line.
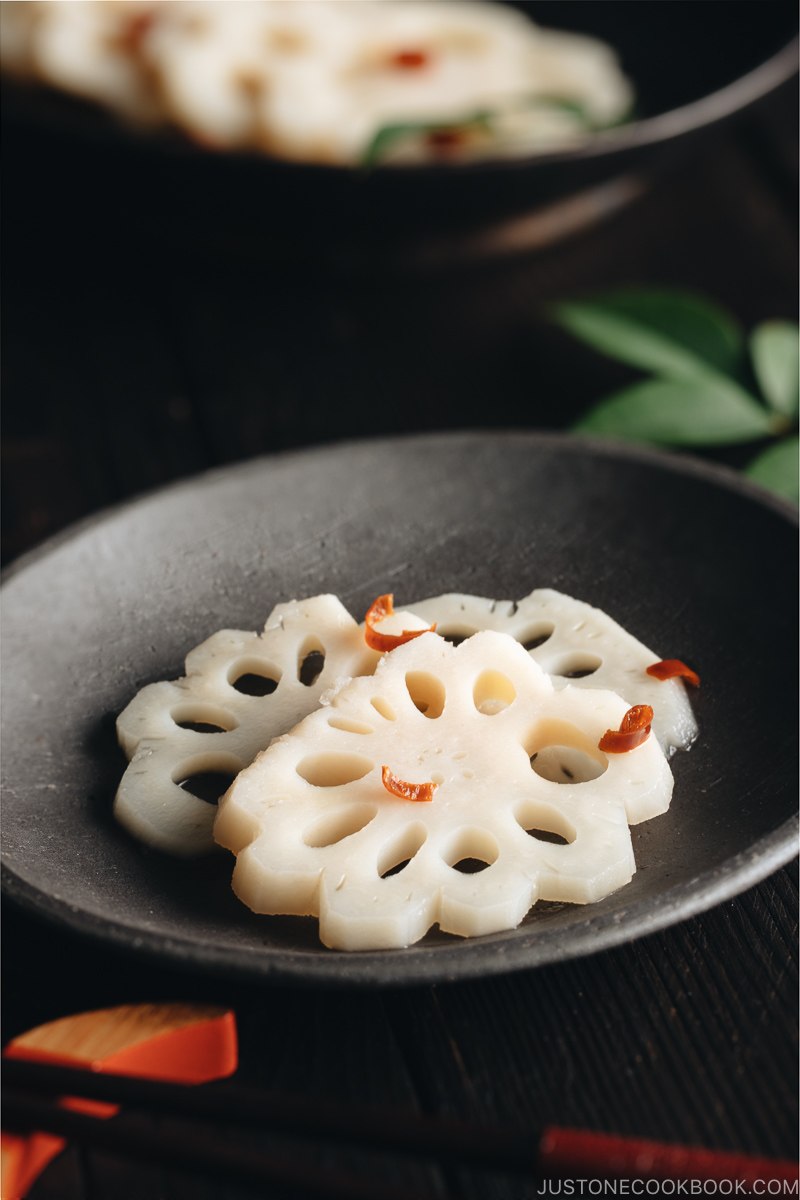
x=516, y=763
x=240, y=690
x=316, y=81
x=576, y=644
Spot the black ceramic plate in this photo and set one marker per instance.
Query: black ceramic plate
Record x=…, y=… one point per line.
x=692, y=560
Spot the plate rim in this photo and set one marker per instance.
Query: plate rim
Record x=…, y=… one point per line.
x=678, y=462
x=446, y=963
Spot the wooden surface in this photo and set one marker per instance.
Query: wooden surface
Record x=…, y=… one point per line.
x=130, y=362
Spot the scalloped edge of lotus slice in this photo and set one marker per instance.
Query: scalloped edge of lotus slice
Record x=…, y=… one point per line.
x=575, y=644
x=306, y=647
x=514, y=761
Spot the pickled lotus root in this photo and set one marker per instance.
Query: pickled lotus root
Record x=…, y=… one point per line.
x=319, y=81
x=515, y=762
x=240, y=691
x=92, y=50
x=575, y=644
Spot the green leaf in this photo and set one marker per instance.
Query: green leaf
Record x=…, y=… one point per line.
x=385, y=137
x=574, y=108
x=775, y=350
x=697, y=412
x=578, y=110
x=776, y=468
x=671, y=333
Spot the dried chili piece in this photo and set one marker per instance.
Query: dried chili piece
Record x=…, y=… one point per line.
x=406, y=791
x=673, y=668
x=380, y=609
x=410, y=60
x=134, y=31
x=446, y=139
x=634, y=728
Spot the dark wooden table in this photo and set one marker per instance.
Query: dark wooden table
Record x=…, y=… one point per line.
x=130, y=362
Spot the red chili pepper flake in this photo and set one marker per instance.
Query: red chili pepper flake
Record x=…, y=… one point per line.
x=135, y=31
x=634, y=728
x=446, y=139
x=406, y=791
x=673, y=668
x=410, y=60
x=380, y=609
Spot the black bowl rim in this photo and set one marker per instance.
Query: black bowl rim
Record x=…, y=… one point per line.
x=707, y=110
x=634, y=135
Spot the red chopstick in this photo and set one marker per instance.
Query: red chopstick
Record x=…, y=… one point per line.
x=553, y=1153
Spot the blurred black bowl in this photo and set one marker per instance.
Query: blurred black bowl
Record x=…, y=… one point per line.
x=693, y=65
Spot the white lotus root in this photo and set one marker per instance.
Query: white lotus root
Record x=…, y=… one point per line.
x=316, y=832
x=306, y=647
x=316, y=81
x=575, y=644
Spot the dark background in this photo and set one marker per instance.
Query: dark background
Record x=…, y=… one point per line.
x=167, y=311
x=136, y=353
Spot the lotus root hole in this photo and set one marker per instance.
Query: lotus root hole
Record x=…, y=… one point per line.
x=383, y=708
x=335, y=827
x=545, y=824
x=310, y=662
x=576, y=666
x=208, y=776
x=536, y=635
x=493, y=692
x=398, y=853
x=333, y=770
x=348, y=725
x=471, y=851
x=203, y=718
x=565, y=764
x=561, y=753
x=427, y=693
x=253, y=678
